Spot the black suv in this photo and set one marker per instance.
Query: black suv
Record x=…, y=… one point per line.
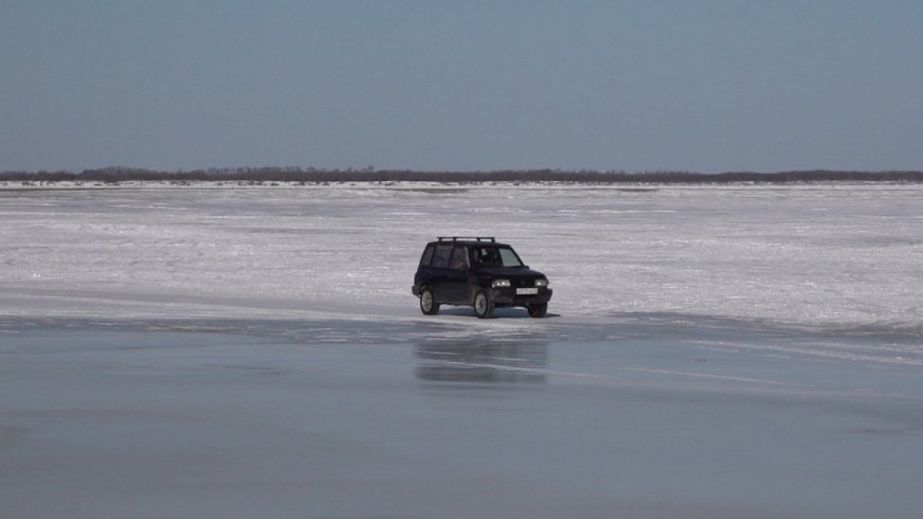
x=478, y=272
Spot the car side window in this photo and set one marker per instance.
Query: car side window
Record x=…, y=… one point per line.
x=427, y=255
x=441, y=256
x=460, y=258
x=486, y=257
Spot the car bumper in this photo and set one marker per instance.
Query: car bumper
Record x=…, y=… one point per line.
x=508, y=297
x=416, y=290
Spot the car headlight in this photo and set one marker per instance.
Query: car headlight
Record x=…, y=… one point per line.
x=500, y=283
x=541, y=282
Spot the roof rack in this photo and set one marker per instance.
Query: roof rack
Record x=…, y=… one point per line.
x=475, y=238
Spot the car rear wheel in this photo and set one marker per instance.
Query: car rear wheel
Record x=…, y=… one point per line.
x=537, y=310
x=483, y=306
x=428, y=304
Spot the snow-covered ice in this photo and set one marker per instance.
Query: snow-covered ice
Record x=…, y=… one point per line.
x=823, y=255
x=816, y=254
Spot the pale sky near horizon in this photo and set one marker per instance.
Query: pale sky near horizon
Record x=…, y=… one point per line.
x=639, y=86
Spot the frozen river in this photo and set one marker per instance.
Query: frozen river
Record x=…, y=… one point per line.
x=752, y=351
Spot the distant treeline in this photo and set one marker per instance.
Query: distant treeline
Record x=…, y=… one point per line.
x=311, y=175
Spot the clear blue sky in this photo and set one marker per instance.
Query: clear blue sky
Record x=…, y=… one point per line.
x=648, y=85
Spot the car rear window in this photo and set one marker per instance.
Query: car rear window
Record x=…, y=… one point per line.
x=460, y=258
x=441, y=256
x=427, y=255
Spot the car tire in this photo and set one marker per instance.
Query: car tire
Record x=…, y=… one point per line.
x=537, y=310
x=428, y=304
x=483, y=306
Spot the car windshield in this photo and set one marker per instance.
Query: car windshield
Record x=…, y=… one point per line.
x=494, y=257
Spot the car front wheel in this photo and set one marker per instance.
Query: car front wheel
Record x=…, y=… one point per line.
x=483, y=306
x=428, y=304
x=537, y=310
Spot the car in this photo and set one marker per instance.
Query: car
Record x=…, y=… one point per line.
x=478, y=272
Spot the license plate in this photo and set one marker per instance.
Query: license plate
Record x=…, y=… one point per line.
x=526, y=291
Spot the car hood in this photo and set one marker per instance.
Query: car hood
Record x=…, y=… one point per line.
x=511, y=272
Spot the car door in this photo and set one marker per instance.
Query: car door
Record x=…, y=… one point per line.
x=439, y=269
x=456, y=276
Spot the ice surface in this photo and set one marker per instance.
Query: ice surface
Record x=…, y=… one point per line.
x=318, y=419
x=223, y=351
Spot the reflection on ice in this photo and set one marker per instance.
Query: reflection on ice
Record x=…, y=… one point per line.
x=483, y=361
x=205, y=418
